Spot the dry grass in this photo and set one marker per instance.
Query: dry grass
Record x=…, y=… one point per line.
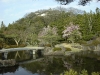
x=70, y=46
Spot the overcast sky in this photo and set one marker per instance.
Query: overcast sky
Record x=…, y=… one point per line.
x=12, y=10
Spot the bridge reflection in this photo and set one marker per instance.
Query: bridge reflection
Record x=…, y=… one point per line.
x=29, y=61
x=19, y=55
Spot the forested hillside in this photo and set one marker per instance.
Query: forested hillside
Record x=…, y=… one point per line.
x=47, y=26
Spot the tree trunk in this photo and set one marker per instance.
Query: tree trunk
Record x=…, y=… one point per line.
x=17, y=41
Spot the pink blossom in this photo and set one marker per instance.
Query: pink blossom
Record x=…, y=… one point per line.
x=69, y=30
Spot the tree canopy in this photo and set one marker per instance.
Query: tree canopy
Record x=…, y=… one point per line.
x=80, y=2
x=30, y=28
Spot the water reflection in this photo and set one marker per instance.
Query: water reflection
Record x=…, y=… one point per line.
x=55, y=64
x=8, y=69
x=23, y=58
x=80, y=62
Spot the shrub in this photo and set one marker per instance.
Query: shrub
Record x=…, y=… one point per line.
x=67, y=49
x=70, y=72
x=6, y=46
x=83, y=72
x=95, y=42
x=82, y=42
x=57, y=49
x=95, y=73
x=48, y=45
x=13, y=46
x=22, y=45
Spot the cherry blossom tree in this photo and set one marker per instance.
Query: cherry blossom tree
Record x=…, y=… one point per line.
x=71, y=32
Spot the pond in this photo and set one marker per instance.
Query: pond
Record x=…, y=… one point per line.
x=51, y=64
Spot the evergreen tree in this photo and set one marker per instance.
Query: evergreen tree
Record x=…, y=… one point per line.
x=3, y=27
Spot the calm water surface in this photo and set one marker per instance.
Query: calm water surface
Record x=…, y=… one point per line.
x=51, y=64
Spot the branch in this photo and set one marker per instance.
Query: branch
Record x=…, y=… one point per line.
x=81, y=2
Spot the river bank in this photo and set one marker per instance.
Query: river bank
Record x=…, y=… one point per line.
x=74, y=48
x=66, y=49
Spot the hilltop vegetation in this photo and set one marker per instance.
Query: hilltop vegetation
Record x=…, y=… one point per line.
x=45, y=27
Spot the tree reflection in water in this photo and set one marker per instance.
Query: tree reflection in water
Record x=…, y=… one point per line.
x=9, y=69
x=58, y=64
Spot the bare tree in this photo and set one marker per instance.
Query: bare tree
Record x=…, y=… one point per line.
x=48, y=35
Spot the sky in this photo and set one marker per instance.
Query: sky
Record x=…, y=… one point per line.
x=12, y=10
